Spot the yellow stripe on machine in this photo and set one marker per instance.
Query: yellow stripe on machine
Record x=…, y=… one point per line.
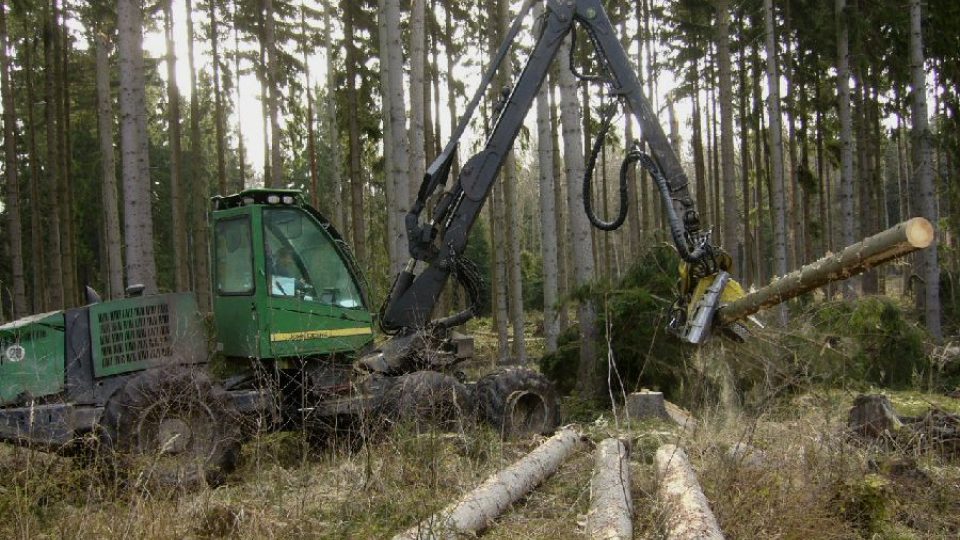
x=320, y=334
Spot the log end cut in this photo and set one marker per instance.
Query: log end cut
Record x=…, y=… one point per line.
x=919, y=232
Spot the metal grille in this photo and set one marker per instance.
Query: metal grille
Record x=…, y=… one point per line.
x=135, y=334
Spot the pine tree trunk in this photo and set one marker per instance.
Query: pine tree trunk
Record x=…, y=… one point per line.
x=111, y=214
x=181, y=281
x=731, y=235
x=135, y=159
x=747, y=271
x=846, y=136
x=339, y=216
x=399, y=143
x=509, y=179
x=588, y=373
x=925, y=190
x=198, y=180
x=218, y=113
x=696, y=143
x=548, y=218
x=12, y=195
x=776, y=154
x=241, y=154
x=54, y=282
x=67, y=236
x=417, y=144
x=358, y=222
x=386, y=110
x=273, y=83
x=38, y=268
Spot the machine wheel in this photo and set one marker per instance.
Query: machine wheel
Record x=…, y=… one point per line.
x=518, y=402
x=172, y=428
x=428, y=399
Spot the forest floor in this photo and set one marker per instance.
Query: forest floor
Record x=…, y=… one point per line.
x=816, y=481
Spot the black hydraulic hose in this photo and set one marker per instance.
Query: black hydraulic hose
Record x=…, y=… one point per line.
x=677, y=230
x=467, y=275
x=588, y=180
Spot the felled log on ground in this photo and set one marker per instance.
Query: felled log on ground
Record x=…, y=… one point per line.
x=906, y=237
x=477, y=509
x=872, y=416
x=611, y=505
x=688, y=513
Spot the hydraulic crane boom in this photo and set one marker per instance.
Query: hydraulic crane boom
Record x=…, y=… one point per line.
x=439, y=242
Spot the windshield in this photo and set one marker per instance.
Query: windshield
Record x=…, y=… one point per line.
x=303, y=262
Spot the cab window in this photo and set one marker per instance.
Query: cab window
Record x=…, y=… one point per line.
x=234, y=256
x=302, y=261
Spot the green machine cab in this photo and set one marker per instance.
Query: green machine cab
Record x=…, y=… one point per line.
x=285, y=285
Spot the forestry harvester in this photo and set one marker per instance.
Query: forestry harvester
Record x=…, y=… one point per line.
x=292, y=321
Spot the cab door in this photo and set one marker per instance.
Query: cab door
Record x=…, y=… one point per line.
x=314, y=302
x=236, y=284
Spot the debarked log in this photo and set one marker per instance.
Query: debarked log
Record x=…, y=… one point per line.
x=611, y=505
x=687, y=511
x=899, y=240
x=477, y=509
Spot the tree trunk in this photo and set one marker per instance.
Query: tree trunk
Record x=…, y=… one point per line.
x=581, y=243
x=198, y=180
x=417, y=149
x=273, y=82
x=925, y=194
x=696, y=142
x=731, y=236
x=477, y=509
x=846, y=136
x=688, y=511
x=611, y=505
x=37, y=267
x=399, y=143
x=339, y=216
x=509, y=180
x=181, y=281
x=12, y=199
x=218, y=113
x=548, y=218
x=747, y=270
x=54, y=269
x=894, y=242
x=241, y=155
x=111, y=215
x=67, y=236
x=138, y=219
x=358, y=222
x=776, y=155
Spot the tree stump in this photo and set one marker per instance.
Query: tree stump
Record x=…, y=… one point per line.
x=873, y=416
x=645, y=404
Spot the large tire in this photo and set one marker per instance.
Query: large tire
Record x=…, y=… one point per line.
x=427, y=399
x=172, y=428
x=518, y=402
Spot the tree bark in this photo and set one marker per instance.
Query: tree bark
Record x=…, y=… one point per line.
x=37, y=257
x=241, y=154
x=399, y=144
x=581, y=241
x=776, y=156
x=218, y=112
x=611, y=504
x=926, y=196
x=846, y=136
x=688, y=511
x=111, y=214
x=731, y=235
x=135, y=158
x=358, y=222
x=417, y=145
x=476, y=510
x=198, y=180
x=894, y=242
x=181, y=280
x=55, y=298
x=65, y=186
x=12, y=199
x=339, y=216
x=273, y=84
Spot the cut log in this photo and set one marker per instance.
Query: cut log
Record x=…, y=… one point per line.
x=688, y=513
x=873, y=416
x=477, y=509
x=611, y=505
x=899, y=240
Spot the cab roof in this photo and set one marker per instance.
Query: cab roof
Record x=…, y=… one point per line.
x=257, y=196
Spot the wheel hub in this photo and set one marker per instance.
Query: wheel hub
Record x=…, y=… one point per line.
x=173, y=436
